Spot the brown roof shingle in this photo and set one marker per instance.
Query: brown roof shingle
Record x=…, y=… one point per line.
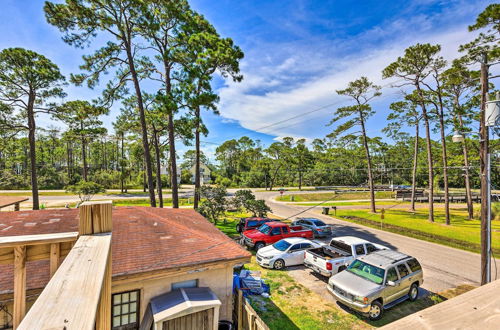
x=144, y=239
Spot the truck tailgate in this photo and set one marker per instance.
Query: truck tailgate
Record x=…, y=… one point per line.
x=313, y=257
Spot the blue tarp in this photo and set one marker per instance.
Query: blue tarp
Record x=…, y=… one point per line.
x=249, y=283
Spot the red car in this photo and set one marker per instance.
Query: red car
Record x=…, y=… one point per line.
x=251, y=223
x=271, y=232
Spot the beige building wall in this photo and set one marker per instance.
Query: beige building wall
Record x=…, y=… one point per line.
x=219, y=280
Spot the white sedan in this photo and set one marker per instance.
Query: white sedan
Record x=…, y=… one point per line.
x=286, y=252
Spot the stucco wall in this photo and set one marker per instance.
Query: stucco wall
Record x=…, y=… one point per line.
x=219, y=280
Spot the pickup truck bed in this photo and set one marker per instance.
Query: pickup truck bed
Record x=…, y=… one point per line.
x=326, y=253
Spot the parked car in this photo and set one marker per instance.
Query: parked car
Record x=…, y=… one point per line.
x=271, y=232
x=284, y=253
x=377, y=281
x=331, y=259
x=319, y=228
x=251, y=223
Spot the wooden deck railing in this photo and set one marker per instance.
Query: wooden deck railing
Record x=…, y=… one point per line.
x=78, y=295
x=247, y=317
x=476, y=309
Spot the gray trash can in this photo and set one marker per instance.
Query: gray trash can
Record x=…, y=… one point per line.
x=326, y=210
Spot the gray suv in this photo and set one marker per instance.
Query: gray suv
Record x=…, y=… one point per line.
x=377, y=281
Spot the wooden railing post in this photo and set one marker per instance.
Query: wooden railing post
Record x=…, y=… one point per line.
x=19, y=285
x=240, y=309
x=55, y=256
x=95, y=218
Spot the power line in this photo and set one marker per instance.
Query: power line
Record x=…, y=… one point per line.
x=299, y=116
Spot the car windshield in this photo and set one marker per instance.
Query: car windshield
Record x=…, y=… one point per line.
x=319, y=223
x=281, y=245
x=265, y=229
x=367, y=271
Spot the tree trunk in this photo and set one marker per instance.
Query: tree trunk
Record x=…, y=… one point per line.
x=32, y=143
x=300, y=180
x=173, y=161
x=414, y=172
x=84, y=154
x=468, y=193
x=145, y=142
x=197, y=183
x=369, y=162
x=68, y=161
x=158, y=167
x=122, y=174
x=445, y=167
x=429, y=154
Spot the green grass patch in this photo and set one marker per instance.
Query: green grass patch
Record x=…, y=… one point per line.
x=318, y=197
x=293, y=306
x=461, y=233
x=384, y=203
x=145, y=202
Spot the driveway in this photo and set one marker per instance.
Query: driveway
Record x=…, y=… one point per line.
x=444, y=267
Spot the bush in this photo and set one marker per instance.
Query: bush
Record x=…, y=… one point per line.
x=50, y=178
x=85, y=190
x=214, y=202
x=107, y=178
x=246, y=199
x=9, y=180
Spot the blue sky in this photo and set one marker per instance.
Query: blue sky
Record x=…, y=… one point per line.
x=297, y=53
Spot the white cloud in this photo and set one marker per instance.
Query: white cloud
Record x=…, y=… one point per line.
x=297, y=79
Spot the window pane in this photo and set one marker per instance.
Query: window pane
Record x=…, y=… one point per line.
x=133, y=307
x=133, y=318
x=185, y=284
x=360, y=249
x=403, y=271
x=125, y=319
x=125, y=309
x=133, y=296
x=125, y=297
x=116, y=310
x=117, y=299
x=116, y=321
x=392, y=275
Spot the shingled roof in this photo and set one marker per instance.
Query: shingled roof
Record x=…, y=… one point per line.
x=144, y=239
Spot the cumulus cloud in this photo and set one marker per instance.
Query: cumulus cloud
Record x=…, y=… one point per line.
x=298, y=78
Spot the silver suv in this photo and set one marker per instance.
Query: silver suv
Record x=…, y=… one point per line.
x=377, y=281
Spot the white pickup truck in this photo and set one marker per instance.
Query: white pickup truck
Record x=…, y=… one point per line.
x=331, y=259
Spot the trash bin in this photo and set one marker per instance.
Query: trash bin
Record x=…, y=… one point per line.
x=326, y=210
x=225, y=325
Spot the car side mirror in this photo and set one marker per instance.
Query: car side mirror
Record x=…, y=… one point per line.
x=391, y=283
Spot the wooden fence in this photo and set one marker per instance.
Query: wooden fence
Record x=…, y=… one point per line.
x=245, y=316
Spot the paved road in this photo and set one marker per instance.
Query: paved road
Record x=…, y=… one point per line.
x=444, y=267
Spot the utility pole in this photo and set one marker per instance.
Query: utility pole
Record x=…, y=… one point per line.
x=485, y=184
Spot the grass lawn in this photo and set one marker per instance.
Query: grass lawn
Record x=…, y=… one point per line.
x=293, y=306
x=145, y=202
x=462, y=233
x=64, y=193
x=319, y=197
x=384, y=203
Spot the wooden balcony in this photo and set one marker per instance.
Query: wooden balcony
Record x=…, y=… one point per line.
x=78, y=295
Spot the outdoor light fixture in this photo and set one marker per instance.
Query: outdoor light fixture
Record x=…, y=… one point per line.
x=493, y=112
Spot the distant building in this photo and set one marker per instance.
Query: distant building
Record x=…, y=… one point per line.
x=164, y=171
x=204, y=174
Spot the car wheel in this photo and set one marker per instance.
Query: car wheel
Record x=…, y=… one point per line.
x=413, y=293
x=279, y=264
x=376, y=311
x=238, y=228
x=259, y=245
